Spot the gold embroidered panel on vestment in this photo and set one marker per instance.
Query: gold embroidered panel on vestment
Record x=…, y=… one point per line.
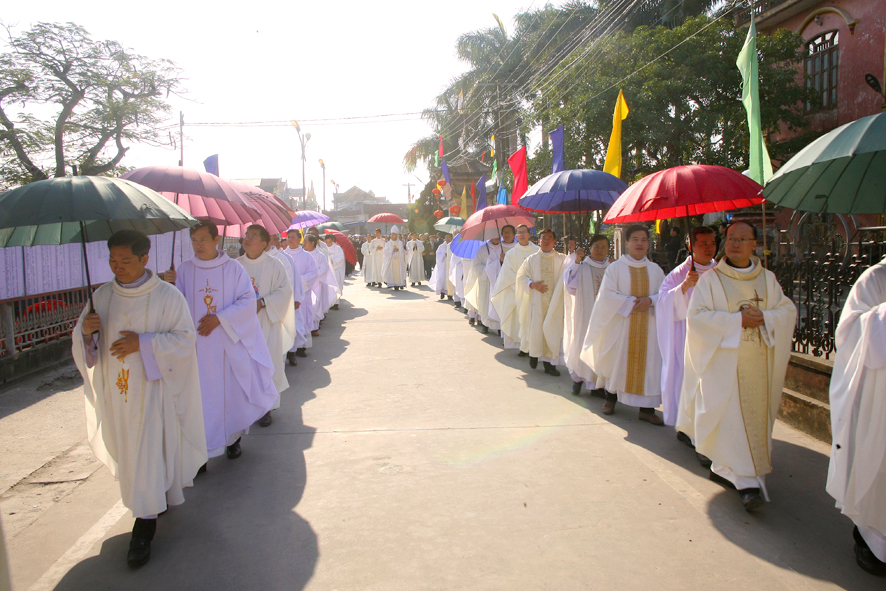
x=638, y=334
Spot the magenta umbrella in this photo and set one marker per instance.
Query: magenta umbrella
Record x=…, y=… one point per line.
x=488, y=222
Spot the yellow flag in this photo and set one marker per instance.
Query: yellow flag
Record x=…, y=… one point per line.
x=613, y=154
x=658, y=226
x=464, y=202
x=492, y=141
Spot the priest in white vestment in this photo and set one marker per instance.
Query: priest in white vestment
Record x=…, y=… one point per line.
x=144, y=416
x=394, y=268
x=306, y=315
x=274, y=306
x=582, y=282
x=377, y=250
x=440, y=275
x=302, y=329
x=415, y=263
x=493, y=268
x=504, y=294
x=670, y=318
x=857, y=473
x=621, y=345
x=539, y=300
x=236, y=369
x=367, y=268
x=337, y=263
x=738, y=342
x=327, y=287
x=456, y=279
x=477, y=293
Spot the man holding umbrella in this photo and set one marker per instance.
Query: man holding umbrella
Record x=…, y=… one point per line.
x=137, y=355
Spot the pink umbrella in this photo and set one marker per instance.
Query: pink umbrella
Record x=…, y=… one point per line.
x=488, y=222
x=201, y=194
x=274, y=218
x=386, y=218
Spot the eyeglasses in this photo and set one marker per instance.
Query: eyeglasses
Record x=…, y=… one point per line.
x=741, y=240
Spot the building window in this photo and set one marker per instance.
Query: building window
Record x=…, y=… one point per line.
x=822, y=69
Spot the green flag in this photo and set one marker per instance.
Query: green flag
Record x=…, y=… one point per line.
x=592, y=227
x=760, y=166
x=494, y=171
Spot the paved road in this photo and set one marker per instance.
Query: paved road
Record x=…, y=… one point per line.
x=413, y=453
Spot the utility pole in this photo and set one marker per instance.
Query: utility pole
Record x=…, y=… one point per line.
x=323, y=166
x=408, y=192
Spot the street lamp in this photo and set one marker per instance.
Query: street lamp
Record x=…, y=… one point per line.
x=323, y=166
x=303, y=140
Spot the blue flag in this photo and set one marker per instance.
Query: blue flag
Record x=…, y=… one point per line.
x=502, y=198
x=559, y=152
x=481, y=196
x=211, y=164
x=446, y=173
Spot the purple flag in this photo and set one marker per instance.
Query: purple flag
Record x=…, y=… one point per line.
x=211, y=164
x=446, y=173
x=481, y=187
x=559, y=159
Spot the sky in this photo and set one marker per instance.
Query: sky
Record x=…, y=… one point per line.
x=263, y=61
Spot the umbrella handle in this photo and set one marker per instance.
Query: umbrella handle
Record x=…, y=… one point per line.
x=86, y=264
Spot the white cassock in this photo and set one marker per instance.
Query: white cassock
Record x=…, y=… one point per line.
x=440, y=275
x=621, y=345
x=582, y=284
x=394, y=269
x=327, y=286
x=857, y=472
x=144, y=415
x=541, y=314
x=306, y=315
x=337, y=263
x=670, y=319
x=504, y=294
x=236, y=369
x=733, y=374
x=493, y=268
x=277, y=318
x=368, y=270
x=377, y=250
x=477, y=291
x=302, y=331
x=415, y=262
x=456, y=276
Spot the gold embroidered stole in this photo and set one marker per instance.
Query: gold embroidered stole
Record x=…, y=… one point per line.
x=753, y=363
x=638, y=334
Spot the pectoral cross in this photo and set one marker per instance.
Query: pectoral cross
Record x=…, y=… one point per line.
x=756, y=299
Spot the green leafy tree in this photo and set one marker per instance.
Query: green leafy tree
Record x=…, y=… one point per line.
x=93, y=99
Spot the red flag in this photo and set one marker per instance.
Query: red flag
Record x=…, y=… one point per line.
x=474, y=196
x=440, y=151
x=517, y=162
x=483, y=157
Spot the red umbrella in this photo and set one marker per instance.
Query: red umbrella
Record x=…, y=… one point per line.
x=488, y=222
x=386, y=218
x=683, y=191
x=201, y=194
x=345, y=243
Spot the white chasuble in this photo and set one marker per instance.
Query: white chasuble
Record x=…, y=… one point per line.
x=541, y=314
x=277, y=317
x=582, y=283
x=368, y=270
x=394, y=269
x=734, y=375
x=857, y=472
x=236, y=370
x=504, y=294
x=670, y=317
x=307, y=268
x=377, y=249
x=327, y=286
x=415, y=262
x=302, y=328
x=493, y=268
x=621, y=344
x=144, y=416
x=438, y=274
x=477, y=291
x=337, y=264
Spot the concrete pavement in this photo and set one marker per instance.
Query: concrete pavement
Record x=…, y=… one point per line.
x=412, y=452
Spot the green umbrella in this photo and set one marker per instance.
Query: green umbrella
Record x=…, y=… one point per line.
x=83, y=209
x=843, y=171
x=332, y=226
x=449, y=225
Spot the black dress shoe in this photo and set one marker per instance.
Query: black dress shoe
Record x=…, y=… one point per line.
x=335, y=307
x=533, y=362
x=471, y=321
x=140, y=545
x=576, y=387
x=300, y=352
x=202, y=470
x=599, y=393
x=713, y=477
x=449, y=298
x=485, y=329
x=865, y=558
x=704, y=460
x=522, y=354
x=368, y=285
x=684, y=438
x=234, y=450
x=751, y=499
x=290, y=357
x=551, y=370
x=442, y=297
x=266, y=420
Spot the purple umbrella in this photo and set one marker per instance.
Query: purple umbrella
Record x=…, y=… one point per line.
x=306, y=218
x=573, y=191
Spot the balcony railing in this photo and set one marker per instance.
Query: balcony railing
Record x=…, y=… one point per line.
x=37, y=320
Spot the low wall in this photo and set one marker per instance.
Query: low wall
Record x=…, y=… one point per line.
x=805, y=403
x=40, y=358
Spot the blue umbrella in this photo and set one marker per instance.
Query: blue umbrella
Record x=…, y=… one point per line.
x=465, y=249
x=573, y=191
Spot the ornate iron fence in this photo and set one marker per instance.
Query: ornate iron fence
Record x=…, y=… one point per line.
x=36, y=320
